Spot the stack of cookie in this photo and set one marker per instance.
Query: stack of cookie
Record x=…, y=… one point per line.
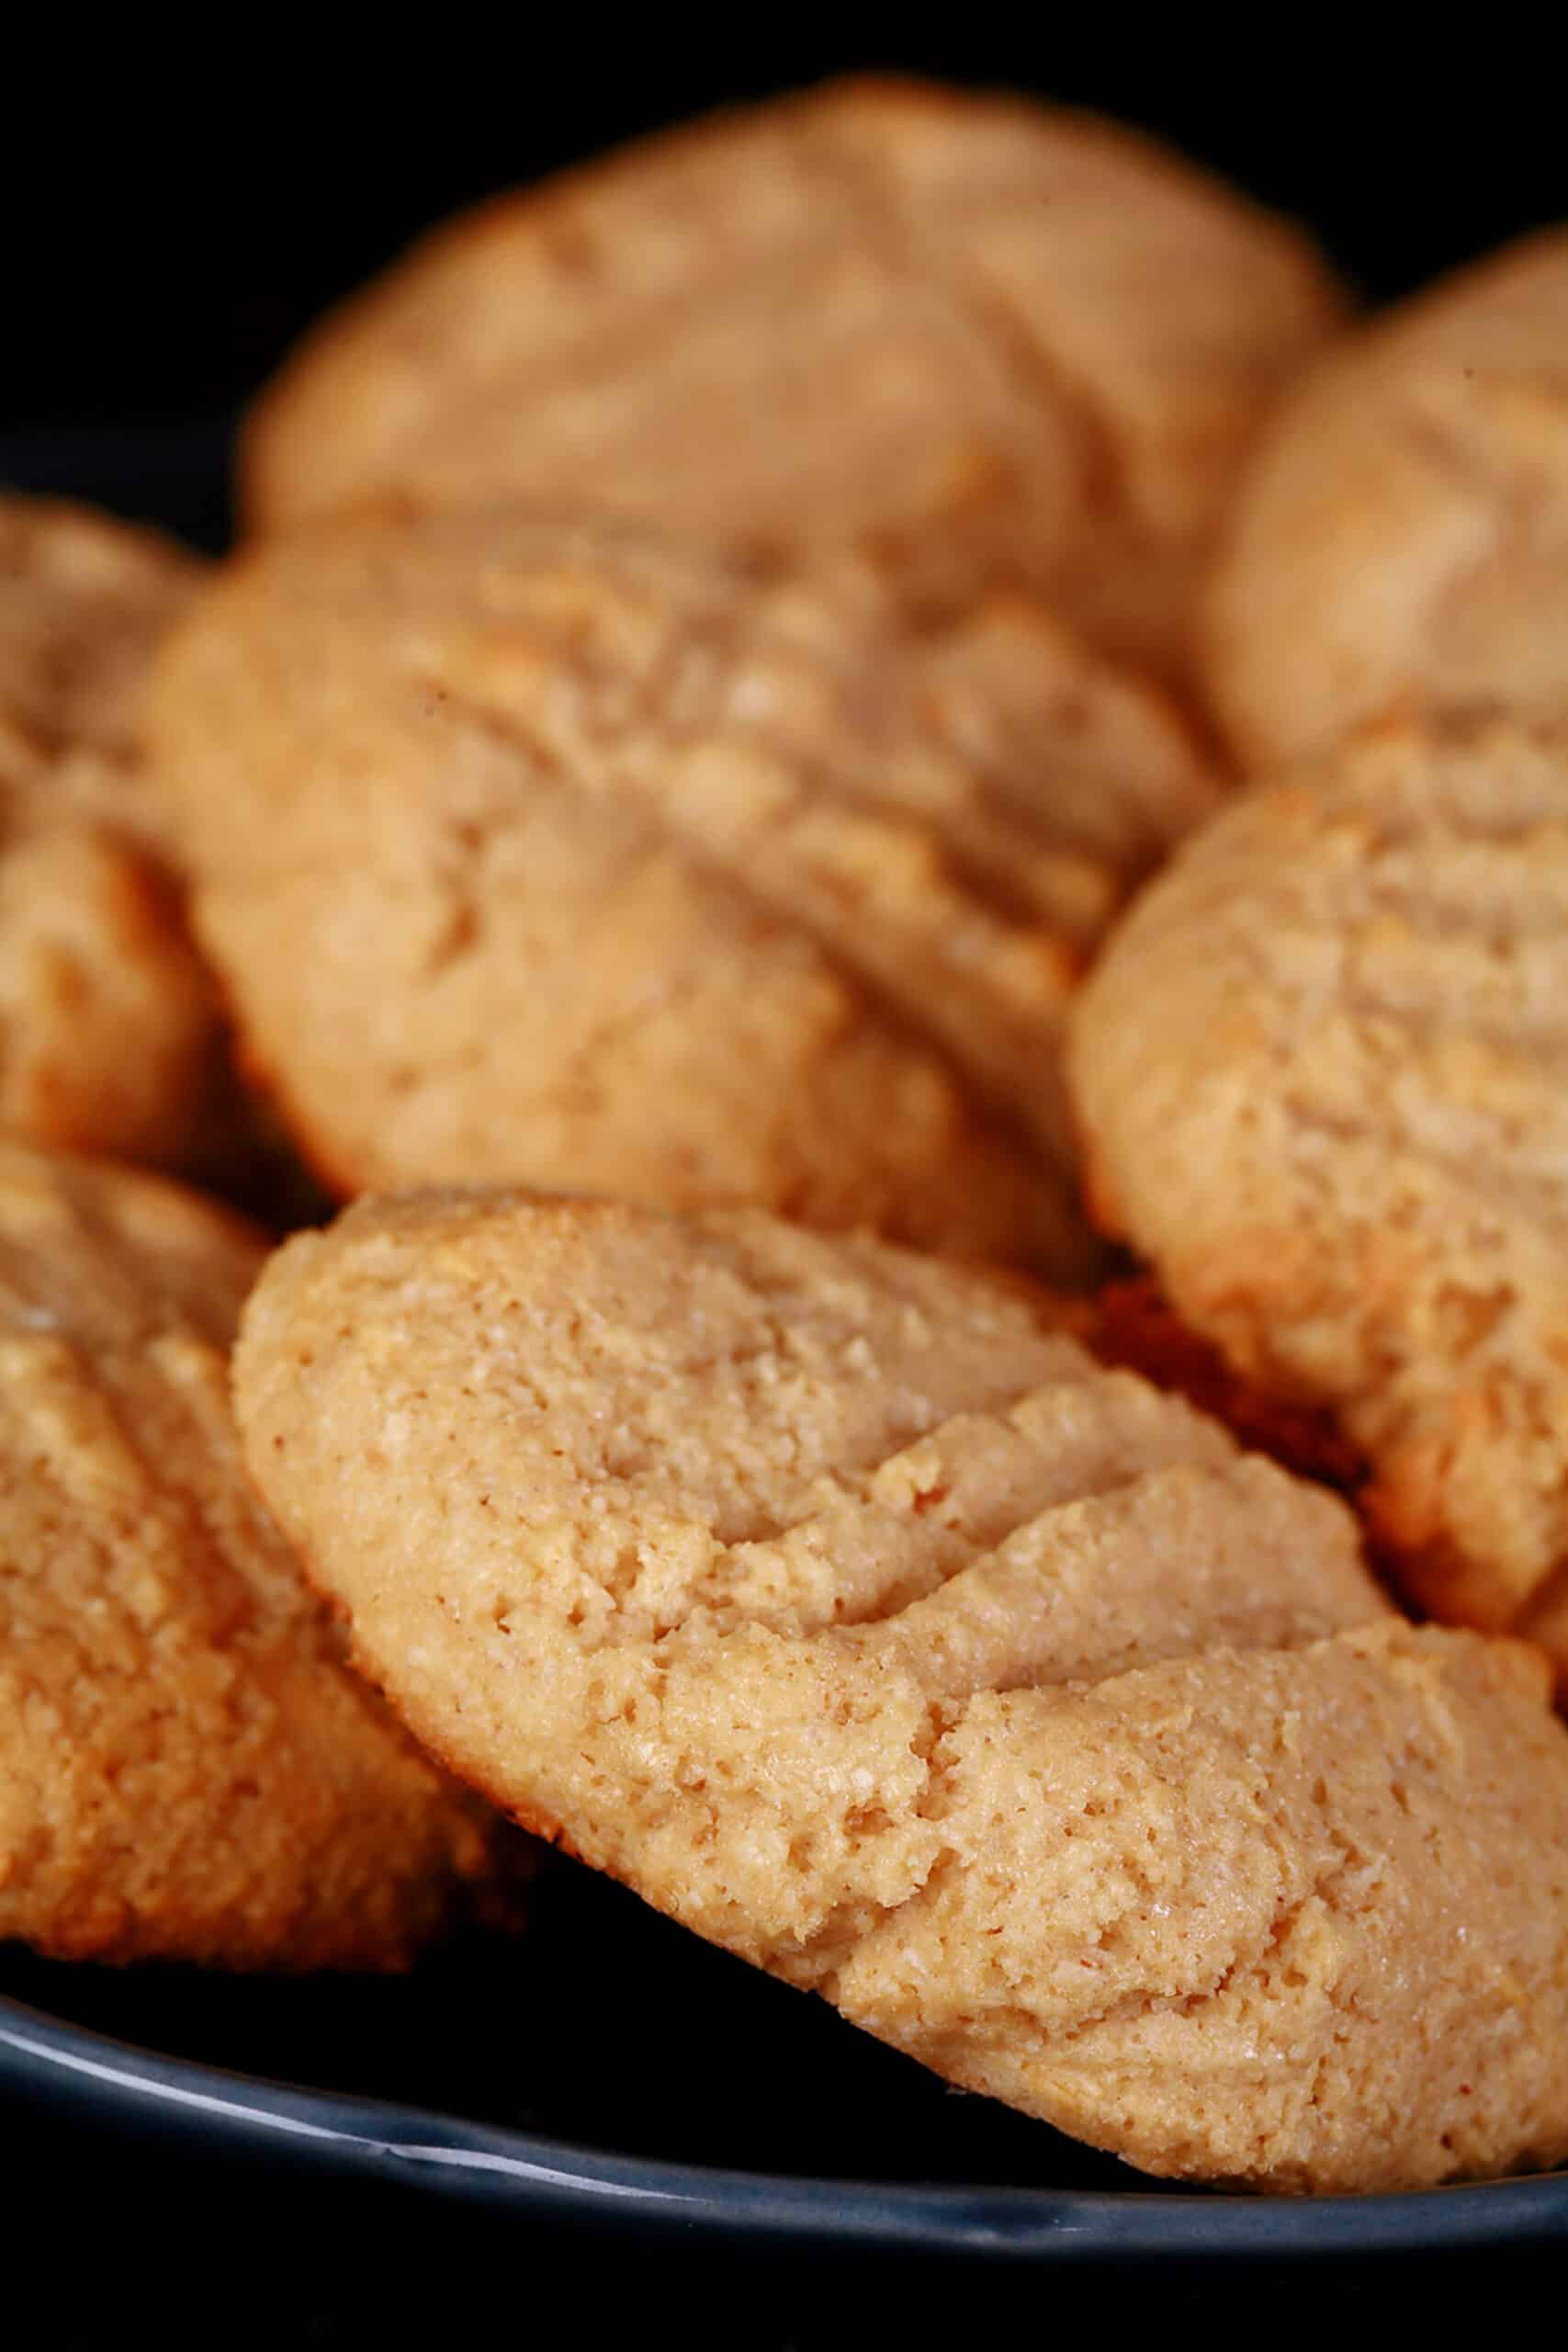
x=725, y=646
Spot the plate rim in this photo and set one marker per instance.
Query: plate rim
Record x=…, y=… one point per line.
x=495, y=2163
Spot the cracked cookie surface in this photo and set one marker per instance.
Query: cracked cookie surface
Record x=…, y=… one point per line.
x=985, y=344
x=1401, y=537
x=842, y=1605
x=538, y=852
x=1324, y=1084
x=188, y=1771
x=106, y=1017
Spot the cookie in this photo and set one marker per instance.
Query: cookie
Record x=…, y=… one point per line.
x=1131, y=1323
x=859, y=1619
x=188, y=1771
x=1402, y=534
x=537, y=851
x=106, y=1020
x=1324, y=1088
x=984, y=343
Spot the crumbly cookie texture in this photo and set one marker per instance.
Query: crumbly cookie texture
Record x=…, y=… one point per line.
x=1401, y=537
x=106, y=1017
x=849, y=1611
x=537, y=851
x=1320, y=1072
x=188, y=1771
x=984, y=343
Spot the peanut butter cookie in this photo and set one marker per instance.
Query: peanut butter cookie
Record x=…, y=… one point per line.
x=987, y=345
x=854, y=1615
x=188, y=1769
x=534, y=851
x=1401, y=534
x=1323, y=1079
x=107, y=1019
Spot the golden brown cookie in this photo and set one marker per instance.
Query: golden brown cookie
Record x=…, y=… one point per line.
x=984, y=343
x=188, y=1769
x=1323, y=1079
x=106, y=1020
x=537, y=851
x=862, y=1621
x=1402, y=534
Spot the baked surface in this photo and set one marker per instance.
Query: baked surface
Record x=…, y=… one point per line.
x=857, y=1618
x=1401, y=537
x=1321, y=1076
x=985, y=344
x=187, y=1770
x=537, y=851
x=106, y=1020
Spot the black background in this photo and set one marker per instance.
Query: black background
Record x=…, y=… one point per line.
x=178, y=216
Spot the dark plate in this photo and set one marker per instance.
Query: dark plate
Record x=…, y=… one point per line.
x=607, y=2067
